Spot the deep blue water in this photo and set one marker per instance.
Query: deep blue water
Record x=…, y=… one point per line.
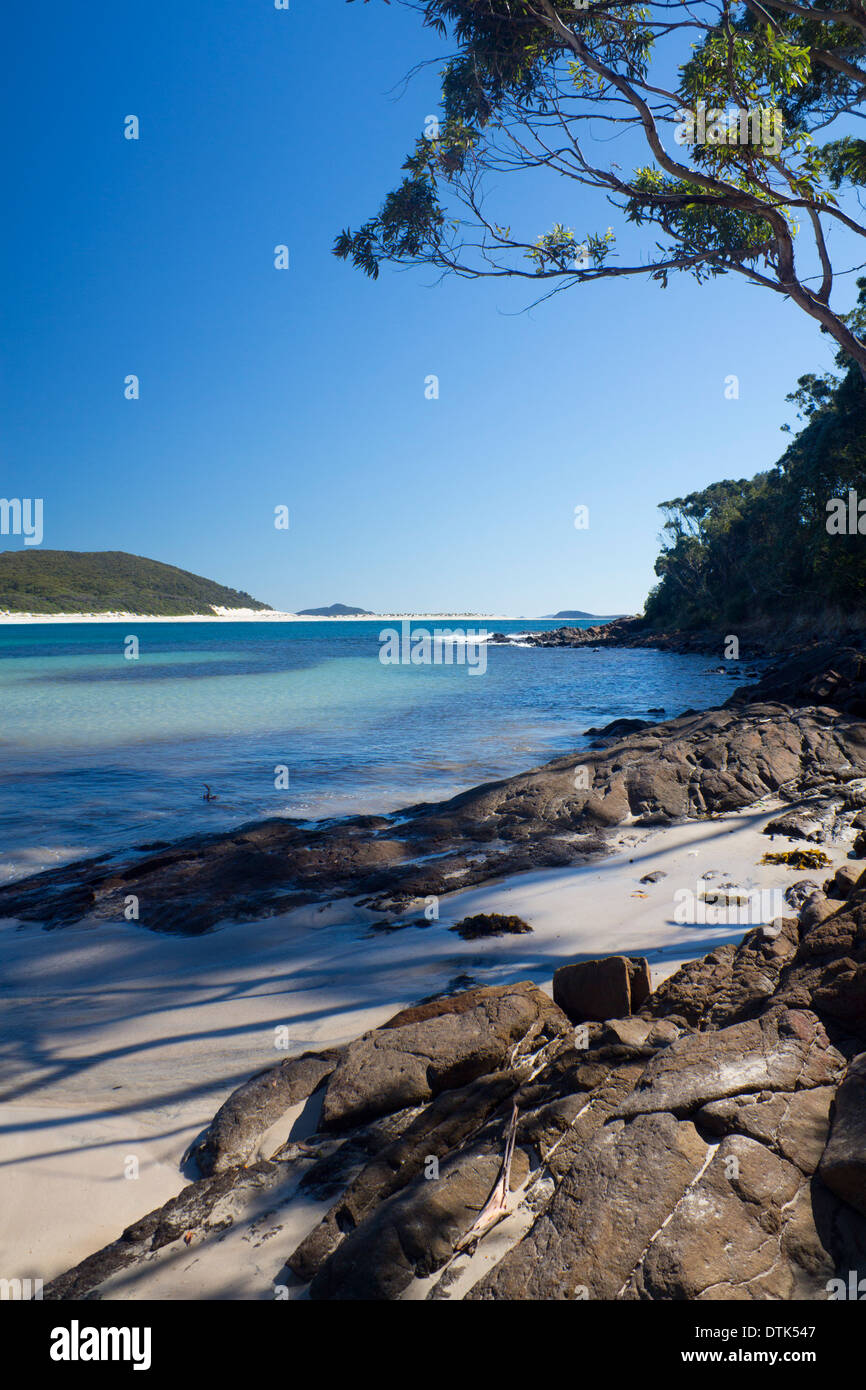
x=100, y=752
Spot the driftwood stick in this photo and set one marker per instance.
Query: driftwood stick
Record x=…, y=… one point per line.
x=495, y=1208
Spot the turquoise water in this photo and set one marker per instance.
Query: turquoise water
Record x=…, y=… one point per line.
x=98, y=752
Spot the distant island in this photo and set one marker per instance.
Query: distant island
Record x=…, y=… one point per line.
x=109, y=581
x=571, y=614
x=336, y=610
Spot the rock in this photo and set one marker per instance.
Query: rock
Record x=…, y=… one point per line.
x=815, y=910
x=594, y=1232
x=600, y=989
x=796, y=894
x=794, y=826
x=617, y=728
x=842, y=882
x=485, y=924
x=434, y=1047
x=414, y=1233
x=781, y=1051
x=662, y=1033
x=632, y=1032
x=731, y=983
x=858, y=849
x=655, y=877
x=234, y=1131
x=724, y=1239
x=843, y=1166
x=440, y=1127
x=795, y=1125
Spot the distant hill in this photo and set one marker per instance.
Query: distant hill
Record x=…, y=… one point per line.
x=570, y=614
x=336, y=610
x=107, y=581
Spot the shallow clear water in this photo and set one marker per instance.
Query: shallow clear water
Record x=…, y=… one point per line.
x=98, y=752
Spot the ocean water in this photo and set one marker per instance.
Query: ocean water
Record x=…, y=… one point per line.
x=101, y=753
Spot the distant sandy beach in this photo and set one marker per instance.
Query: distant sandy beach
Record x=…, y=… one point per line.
x=251, y=615
x=122, y=1043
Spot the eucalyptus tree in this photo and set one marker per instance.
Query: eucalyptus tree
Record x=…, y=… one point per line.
x=740, y=119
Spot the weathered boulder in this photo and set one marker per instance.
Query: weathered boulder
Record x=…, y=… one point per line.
x=784, y=1050
x=843, y=1166
x=414, y=1233
x=249, y=1111
x=440, y=1127
x=600, y=989
x=435, y=1047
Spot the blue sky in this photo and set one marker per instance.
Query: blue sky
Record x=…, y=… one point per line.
x=306, y=387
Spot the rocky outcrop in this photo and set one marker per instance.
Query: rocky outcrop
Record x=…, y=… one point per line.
x=710, y=1147
x=696, y=765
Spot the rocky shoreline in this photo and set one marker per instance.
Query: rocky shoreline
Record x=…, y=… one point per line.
x=633, y=631
x=707, y=1143
x=796, y=733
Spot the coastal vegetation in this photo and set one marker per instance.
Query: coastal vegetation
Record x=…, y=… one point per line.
x=107, y=581
x=773, y=546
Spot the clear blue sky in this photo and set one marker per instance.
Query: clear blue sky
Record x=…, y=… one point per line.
x=306, y=387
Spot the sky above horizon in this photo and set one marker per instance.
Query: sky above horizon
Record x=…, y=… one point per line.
x=305, y=388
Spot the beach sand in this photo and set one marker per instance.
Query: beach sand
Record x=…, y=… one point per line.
x=120, y=1043
x=250, y=615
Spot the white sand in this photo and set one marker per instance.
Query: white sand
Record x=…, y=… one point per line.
x=120, y=1042
x=246, y=615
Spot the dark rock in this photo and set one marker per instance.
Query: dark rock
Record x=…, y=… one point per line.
x=842, y=882
x=655, y=877
x=731, y=983
x=251, y=1110
x=435, y=1047
x=843, y=1167
x=794, y=826
x=600, y=989
x=796, y=894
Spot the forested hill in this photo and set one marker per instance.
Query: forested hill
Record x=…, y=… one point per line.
x=778, y=547
x=107, y=581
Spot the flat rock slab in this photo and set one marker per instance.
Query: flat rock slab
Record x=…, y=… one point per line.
x=436, y=1047
x=786, y=1050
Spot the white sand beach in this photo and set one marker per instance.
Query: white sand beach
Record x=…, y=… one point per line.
x=248, y=615
x=121, y=1043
